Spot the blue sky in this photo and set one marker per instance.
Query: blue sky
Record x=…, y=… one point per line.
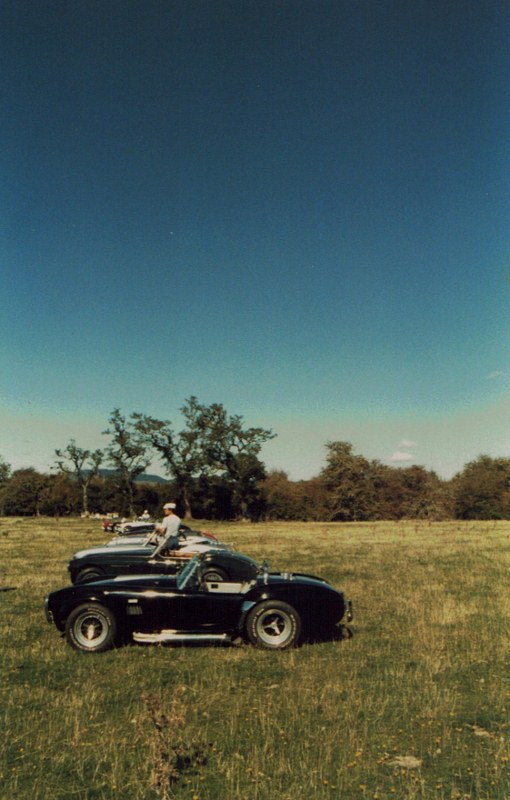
x=296, y=208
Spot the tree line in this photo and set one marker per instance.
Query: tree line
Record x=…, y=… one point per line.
x=214, y=471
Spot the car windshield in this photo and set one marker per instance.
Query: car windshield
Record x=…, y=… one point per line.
x=170, y=542
x=188, y=577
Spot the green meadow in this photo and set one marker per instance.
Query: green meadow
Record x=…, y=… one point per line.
x=414, y=705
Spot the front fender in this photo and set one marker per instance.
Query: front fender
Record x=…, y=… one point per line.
x=247, y=606
x=73, y=602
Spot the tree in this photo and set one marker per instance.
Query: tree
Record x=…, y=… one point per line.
x=212, y=444
x=81, y=465
x=128, y=454
x=150, y=497
x=61, y=496
x=212, y=499
x=5, y=471
x=424, y=495
x=408, y=493
x=313, y=501
x=232, y=451
x=304, y=500
x=482, y=489
x=347, y=478
x=23, y=493
x=245, y=476
x=281, y=496
x=182, y=453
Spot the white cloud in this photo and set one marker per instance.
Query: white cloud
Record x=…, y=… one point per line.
x=407, y=444
x=399, y=456
x=498, y=373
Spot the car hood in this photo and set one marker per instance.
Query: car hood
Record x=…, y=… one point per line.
x=295, y=577
x=138, y=541
x=123, y=551
x=127, y=541
x=105, y=550
x=131, y=583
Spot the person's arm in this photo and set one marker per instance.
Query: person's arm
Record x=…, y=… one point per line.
x=170, y=542
x=162, y=528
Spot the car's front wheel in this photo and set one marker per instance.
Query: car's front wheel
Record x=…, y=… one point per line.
x=88, y=574
x=91, y=628
x=273, y=625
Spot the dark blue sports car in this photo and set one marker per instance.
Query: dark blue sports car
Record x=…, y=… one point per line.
x=271, y=610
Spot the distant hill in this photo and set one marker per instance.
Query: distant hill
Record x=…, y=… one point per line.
x=143, y=478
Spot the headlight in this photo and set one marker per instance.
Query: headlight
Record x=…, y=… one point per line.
x=49, y=615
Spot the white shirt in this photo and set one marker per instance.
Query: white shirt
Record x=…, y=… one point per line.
x=171, y=525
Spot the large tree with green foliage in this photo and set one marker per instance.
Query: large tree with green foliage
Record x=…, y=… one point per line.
x=282, y=499
x=80, y=465
x=482, y=489
x=181, y=453
x=232, y=451
x=127, y=453
x=211, y=444
x=61, y=496
x=22, y=495
x=358, y=489
x=347, y=478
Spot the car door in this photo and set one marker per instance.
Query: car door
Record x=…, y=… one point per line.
x=211, y=612
x=132, y=562
x=161, y=606
x=192, y=611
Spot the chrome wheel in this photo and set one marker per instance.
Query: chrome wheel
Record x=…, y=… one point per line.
x=214, y=575
x=91, y=628
x=273, y=625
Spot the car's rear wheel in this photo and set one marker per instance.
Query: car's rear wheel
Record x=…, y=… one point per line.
x=88, y=574
x=215, y=575
x=91, y=628
x=273, y=625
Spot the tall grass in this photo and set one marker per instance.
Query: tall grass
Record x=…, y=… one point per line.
x=414, y=705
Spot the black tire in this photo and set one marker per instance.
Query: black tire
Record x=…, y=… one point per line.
x=88, y=573
x=91, y=628
x=273, y=625
x=214, y=575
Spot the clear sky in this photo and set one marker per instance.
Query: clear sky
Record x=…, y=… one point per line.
x=297, y=208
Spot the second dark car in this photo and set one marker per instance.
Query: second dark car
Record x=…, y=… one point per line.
x=141, y=559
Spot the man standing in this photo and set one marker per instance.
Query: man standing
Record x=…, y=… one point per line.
x=171, y=522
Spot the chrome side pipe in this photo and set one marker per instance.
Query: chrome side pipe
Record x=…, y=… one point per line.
x=172, y=636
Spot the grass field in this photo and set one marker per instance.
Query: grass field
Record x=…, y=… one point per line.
x=414, y=705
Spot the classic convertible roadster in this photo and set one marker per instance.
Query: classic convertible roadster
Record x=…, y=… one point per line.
x=271, y=610
x=133, y=538
x=158, y=557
